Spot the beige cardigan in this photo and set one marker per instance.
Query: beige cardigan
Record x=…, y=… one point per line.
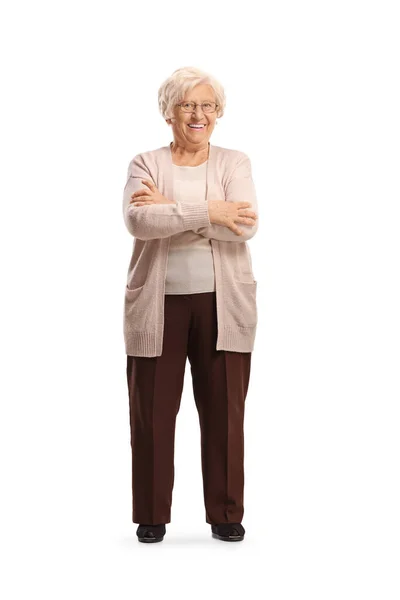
x=229, y=178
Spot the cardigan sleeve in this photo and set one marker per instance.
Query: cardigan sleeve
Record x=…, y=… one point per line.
x=240, y=188
x=153, y=221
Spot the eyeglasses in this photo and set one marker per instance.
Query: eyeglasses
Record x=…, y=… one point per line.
x=206, y=107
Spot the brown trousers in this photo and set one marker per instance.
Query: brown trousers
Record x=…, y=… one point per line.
x=220, y=380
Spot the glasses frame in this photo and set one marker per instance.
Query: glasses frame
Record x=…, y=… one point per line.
x=195, y=107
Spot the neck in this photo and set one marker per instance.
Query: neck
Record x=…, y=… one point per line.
x=182, y=151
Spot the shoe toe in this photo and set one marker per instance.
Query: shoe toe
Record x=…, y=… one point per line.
x=150, y=533
x=228, y=531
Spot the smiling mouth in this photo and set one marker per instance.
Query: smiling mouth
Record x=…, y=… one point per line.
x=197, y=127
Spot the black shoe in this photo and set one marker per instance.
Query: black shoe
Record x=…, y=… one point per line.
x=151, y=533
x=228, y=532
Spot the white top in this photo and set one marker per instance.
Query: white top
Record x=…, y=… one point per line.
x=190, y=267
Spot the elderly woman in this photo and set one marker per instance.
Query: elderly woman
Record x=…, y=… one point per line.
x=190, y=293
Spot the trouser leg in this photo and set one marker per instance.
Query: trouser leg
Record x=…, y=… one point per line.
x=155, y=388
x=220, y=382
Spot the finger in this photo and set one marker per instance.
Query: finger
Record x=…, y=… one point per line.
x=140, y=192
x=140, y=199
x=236, y=229
x=247, y=215
x=150, y=184
x=245, y=221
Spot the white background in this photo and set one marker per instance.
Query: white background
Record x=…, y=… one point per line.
x=313, y=98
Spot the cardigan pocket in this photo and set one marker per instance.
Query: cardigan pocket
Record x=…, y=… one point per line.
x=242, y=308
x=133, y=293
x=136, y=309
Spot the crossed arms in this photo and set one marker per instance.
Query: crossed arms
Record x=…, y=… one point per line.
x=163, y=220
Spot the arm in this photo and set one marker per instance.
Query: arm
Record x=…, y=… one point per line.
x=158, y=220
x=240, y=188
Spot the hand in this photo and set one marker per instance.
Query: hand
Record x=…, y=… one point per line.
x=148, y=196
x=225, y=213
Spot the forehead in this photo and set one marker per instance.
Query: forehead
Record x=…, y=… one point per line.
x=200, y=92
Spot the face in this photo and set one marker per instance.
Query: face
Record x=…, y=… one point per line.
x=183, y=134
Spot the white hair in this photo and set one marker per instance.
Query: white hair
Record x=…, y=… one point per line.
x=183, y=80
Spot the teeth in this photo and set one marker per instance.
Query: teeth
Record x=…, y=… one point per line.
x=196, y=126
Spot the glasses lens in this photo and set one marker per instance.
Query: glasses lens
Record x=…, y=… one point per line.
x=206, y=107
x=187, y=107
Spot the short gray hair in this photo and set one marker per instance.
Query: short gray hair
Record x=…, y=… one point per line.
x=181, y=81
